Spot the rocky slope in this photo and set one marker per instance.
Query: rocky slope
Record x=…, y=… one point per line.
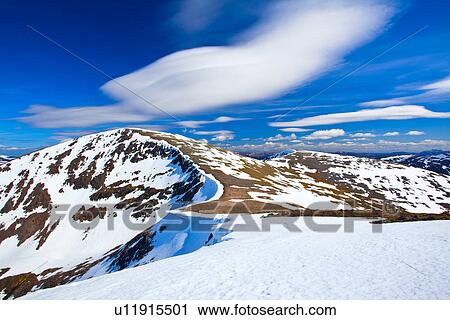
x=88, y=206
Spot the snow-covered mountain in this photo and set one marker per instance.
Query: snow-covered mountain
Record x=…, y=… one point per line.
x=369, y=183
x=106, y=189
x=98, y=176
x=434, y=161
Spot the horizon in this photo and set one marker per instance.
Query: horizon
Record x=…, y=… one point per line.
x=252, y=154
x=253, y=77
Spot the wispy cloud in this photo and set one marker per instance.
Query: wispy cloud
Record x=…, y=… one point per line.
x=74, y=133
x=13, y=148
x=218, y=135
x=349, y=146
x=390, y=113
x=81, y=117
x=200, y=123
x=62, y=136
x=297, y=42
x=153, y=127
x=295, y=130
x=264, y=147
x=438, y=91
x=195, y=15
x=426, y=144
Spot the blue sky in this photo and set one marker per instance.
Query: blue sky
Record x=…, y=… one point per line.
x=247, y=75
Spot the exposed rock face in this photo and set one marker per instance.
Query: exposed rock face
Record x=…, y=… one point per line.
x=87, y=206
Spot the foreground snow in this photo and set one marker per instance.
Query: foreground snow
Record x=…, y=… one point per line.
x=404, y=261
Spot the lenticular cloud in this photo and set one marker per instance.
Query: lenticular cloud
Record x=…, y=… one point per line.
x=295, y=43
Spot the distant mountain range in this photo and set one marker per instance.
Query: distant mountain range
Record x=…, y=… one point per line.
x=438, y=162
x=434, y=160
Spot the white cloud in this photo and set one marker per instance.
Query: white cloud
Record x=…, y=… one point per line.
x=81, y=117
x=390, y=113
x=438, y=91
x=75, y=133
x=391, y=134
x=199, y=123
x=280, y=137
x=362, y=135
x=295, y=130
x=384, y=146
x=358, y=139
x=12, y=148
x=384, y=103
x=443, y=85
x=264, y=147
x=210, y=133
x=62, y=136
x=349, y=146
x=152, y=127
x=297, y=42
x=223, y=137
x=415, y=133
x=325, y=134
x=418, y=145
x=218, y=135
